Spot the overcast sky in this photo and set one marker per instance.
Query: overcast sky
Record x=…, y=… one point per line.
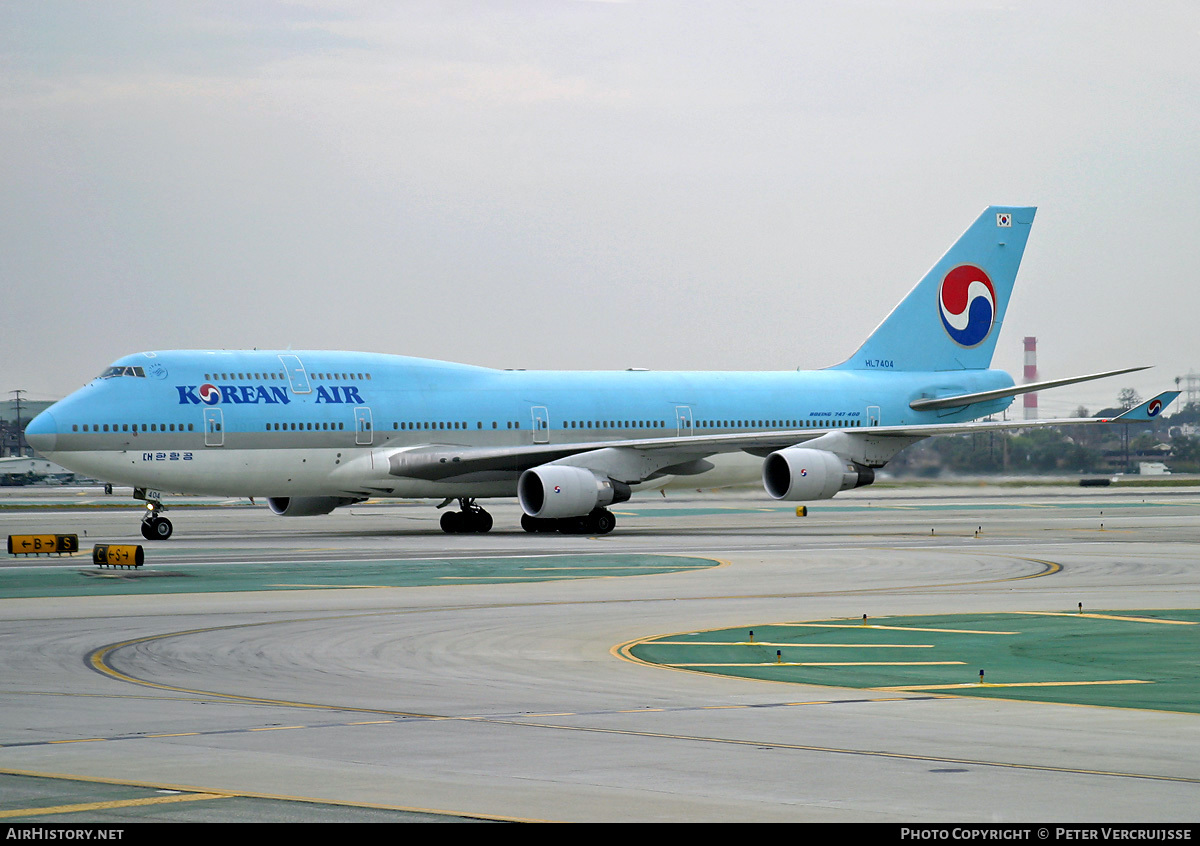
x=591, y=185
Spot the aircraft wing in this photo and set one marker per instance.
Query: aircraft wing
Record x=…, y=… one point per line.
x=960, y=400
x=633, y=461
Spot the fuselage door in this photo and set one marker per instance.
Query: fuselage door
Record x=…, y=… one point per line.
x=362, y=426
x=872, y=415
x=296, y=374
x=214, y=427
x=683, y=420
x=541, y=424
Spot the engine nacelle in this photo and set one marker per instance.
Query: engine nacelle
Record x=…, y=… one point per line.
x=553, y=491
x=306, y=506
x=798, y=474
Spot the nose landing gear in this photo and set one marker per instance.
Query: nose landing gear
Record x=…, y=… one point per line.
x=154, y=525
x=156, y=528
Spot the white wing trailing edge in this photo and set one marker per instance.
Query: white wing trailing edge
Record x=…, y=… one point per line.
x=960, y=400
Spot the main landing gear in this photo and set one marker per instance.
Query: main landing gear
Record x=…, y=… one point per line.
x=154, y=525
x=471, y=520
x=599, y=522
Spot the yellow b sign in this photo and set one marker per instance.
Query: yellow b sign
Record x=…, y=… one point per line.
x=39, y=544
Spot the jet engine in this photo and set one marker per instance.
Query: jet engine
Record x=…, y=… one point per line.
x=307, y=506
x=798, y=473
x=554, y=491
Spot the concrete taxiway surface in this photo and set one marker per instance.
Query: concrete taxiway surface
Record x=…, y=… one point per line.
x=507, y=697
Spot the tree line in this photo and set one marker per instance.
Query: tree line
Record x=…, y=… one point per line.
x=1117, y=448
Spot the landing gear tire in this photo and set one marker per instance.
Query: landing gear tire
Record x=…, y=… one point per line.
x=534, y=524
x=157, y=528
x=479, y=520
x=599, y=522
x=452, y=522
x=471, y=520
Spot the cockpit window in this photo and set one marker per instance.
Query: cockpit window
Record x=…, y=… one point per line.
x=115, y=371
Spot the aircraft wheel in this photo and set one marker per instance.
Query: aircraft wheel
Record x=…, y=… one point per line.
x=480, y=521
x=158, y=528
x=539, y=524
x=452, y=522
x=574, y=525
x=602, y=521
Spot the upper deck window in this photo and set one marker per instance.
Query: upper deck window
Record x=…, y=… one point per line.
x=123, y=371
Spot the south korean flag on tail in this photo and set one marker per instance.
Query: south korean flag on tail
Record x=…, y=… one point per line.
x=1004, y=219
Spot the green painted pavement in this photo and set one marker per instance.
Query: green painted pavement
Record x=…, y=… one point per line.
x=1154, y=656
x=89, y=580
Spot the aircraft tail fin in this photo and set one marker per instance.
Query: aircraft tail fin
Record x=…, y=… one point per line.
x=951, y=319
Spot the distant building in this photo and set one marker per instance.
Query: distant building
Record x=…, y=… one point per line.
x=28, y=471
x=8, y=423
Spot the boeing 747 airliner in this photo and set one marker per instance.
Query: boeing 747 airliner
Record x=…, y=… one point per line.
x=312, y=431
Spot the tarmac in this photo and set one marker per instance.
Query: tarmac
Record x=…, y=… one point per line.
x=364, y=666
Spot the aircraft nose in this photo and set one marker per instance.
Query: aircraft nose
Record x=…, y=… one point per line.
x=42, y=433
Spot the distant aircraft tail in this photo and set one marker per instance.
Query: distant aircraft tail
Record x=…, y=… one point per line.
x=950, y=320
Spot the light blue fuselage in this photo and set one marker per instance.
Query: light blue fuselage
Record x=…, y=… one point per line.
x=133, y=429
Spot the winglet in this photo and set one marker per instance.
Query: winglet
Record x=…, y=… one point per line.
x=1148, y=410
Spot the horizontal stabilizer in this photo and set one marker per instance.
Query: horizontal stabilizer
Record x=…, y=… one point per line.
x=960, y=400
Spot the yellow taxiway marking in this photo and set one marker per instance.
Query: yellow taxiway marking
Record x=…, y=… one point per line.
x=890, y=628
x=103, y=806
x=628, y=567
x=276, y=728
x=789, y=645
x=192, y=792
x=1108, y=617
x=830, y=664
x=79, y=740
x=1012, y=684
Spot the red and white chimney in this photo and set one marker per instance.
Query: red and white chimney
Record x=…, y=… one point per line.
x=1031, y=375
